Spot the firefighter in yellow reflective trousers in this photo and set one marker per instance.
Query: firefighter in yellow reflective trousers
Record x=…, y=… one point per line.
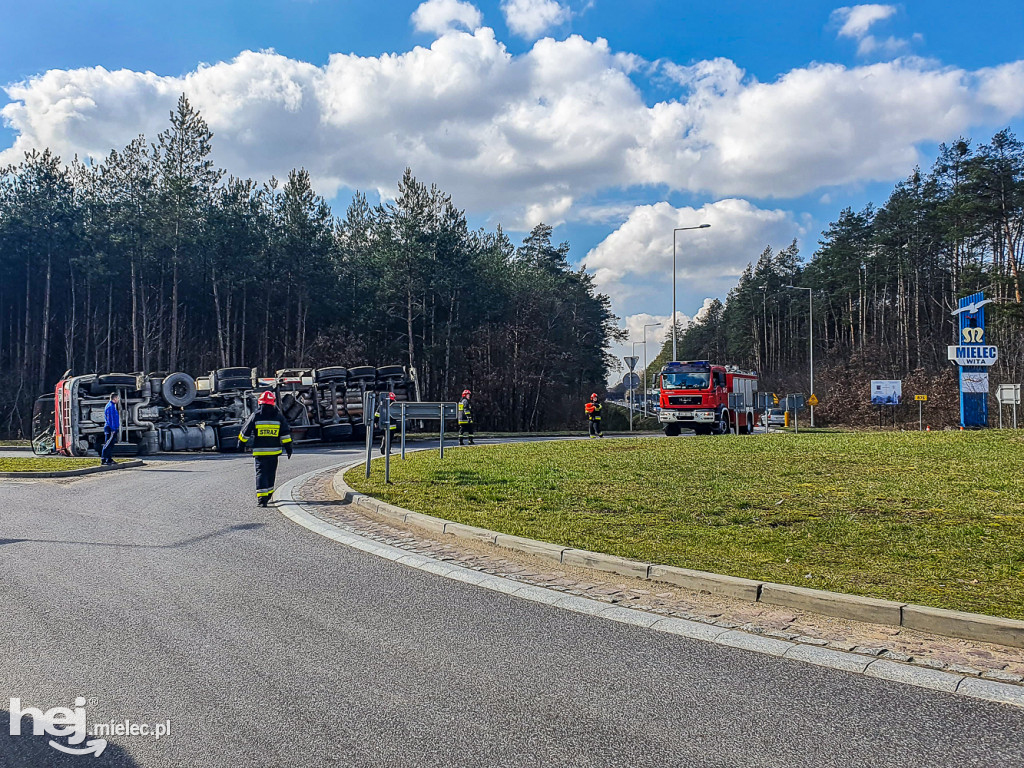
x=465, y=414
x=593, y=410
x=268, y=433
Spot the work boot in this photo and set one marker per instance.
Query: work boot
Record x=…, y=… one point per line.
x=262, y=501
x=461, y=441
x=471, y=441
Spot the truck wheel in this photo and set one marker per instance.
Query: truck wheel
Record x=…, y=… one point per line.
x=391, y=372
x=333, y=373
x=179, y=389
x=362, y=373
x=226, y=379
x=723, y=426
x=672, y=430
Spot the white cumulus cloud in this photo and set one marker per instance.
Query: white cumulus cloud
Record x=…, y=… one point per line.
x=633, y=265
x=440, y=16
x=855, y=21
x=532, y=18
x=528, y=137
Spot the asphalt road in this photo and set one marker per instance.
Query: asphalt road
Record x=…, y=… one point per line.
x=166, y=594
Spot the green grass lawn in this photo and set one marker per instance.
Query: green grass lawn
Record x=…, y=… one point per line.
x=45, y=464
x=929, y=518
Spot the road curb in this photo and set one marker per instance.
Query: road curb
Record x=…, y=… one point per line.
x=967, y=626
x=74, y=472
x=992, y=691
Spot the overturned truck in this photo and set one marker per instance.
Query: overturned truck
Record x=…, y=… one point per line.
x=177, y=412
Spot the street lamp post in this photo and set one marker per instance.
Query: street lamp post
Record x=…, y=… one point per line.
x=810, y=327
x=677, y=229
x=646, y=326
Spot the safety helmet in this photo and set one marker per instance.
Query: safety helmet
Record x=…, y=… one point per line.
x=466, y=393
x=267, y=398
x=391, y=395
x=593, y=396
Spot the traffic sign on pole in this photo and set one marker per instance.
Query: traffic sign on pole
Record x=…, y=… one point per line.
x=631, y=361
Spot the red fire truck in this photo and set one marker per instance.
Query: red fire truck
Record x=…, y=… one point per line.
x=707, y=398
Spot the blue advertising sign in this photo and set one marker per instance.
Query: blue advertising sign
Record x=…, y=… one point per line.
x=973, y=355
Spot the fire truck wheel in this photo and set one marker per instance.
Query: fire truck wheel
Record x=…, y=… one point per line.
x=672, y=430
x=179, y=389
x=723, y=426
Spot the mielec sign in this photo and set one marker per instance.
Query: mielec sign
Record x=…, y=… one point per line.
x=973, y=354
x=974, y=357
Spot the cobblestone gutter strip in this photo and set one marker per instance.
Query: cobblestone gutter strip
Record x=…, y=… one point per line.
x=73, y=472
x=982, y=670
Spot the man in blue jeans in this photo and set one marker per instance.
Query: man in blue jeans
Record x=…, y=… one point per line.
x=111, y=425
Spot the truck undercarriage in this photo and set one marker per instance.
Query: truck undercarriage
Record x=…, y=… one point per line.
x=176, y=412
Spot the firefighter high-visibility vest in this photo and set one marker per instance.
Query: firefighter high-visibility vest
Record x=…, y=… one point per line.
x=268, y=430
x=465, y=411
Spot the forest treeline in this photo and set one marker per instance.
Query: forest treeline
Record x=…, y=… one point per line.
x=153, y=259
x=884, y=282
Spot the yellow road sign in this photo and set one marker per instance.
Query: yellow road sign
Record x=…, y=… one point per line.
x=775, y=398
x=920, y=397
x=812, y=400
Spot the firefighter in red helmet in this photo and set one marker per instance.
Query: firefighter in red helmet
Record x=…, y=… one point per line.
x=593, y=411
x=269, y=433
x=465, y=417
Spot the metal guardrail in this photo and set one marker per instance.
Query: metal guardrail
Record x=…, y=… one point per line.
x=380, y=402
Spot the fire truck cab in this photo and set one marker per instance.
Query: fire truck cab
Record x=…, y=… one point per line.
x=707, y=398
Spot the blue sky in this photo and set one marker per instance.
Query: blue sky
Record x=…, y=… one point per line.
x=614, y=121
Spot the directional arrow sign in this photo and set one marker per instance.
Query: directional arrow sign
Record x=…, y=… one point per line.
x=631, y=361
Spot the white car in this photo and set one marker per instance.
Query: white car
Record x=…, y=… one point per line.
x=776, y=417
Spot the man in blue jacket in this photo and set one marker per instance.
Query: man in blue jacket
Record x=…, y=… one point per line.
x=111, y=425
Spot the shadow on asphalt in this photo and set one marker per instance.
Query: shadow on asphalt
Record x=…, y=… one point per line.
x=28, y=751
x=175, y=545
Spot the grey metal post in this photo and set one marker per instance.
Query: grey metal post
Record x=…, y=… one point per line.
x=368, y=398
x=920, y=416
x=441, y=407
x=1014, y=414
x=630, y=404
x=403, y=431
x=385, y=412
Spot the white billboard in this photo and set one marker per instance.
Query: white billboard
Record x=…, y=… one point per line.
x=886, y=391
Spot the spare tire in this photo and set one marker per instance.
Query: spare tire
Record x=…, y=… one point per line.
x=179, y=389
x=362, y=373
x=391, y=372
x=334, y=373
